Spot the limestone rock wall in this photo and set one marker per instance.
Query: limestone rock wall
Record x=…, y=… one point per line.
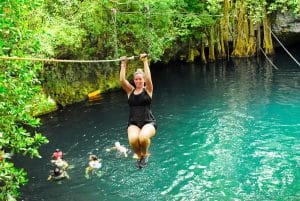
x=287, y=29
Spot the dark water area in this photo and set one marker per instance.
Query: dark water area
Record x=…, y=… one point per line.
x=226, y=131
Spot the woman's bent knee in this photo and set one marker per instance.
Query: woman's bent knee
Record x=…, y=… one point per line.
x=133, y=135
x=144, y=140
x=147, y=131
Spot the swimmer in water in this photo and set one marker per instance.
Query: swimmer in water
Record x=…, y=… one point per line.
x=121, y=149
x=58, y=174
x=57, y=154
x=94, y=164
x=60, y=163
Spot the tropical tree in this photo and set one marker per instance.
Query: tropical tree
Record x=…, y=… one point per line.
x=19, y=84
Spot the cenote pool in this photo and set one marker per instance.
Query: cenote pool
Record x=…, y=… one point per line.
x=226, y=131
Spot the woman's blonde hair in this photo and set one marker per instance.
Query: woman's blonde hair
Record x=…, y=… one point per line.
x=139, y=71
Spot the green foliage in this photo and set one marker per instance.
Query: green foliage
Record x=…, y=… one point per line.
x=284, y=6
x=10, y=180
x=18, y=85
x=89, y=29
x=256, y=10
x=215, y=7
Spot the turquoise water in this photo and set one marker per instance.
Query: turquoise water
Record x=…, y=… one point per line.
x=225, y=132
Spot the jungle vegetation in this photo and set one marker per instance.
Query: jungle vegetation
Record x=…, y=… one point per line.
x=106, y=29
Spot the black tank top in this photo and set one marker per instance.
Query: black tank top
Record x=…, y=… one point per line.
x=140, y=112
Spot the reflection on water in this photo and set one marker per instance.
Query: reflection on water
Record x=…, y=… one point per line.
x=226, y=131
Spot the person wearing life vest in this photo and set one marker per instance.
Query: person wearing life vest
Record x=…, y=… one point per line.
x=57, y=154
x=58, y=174
x=94, y=164
x=120, y=148
x=60, y=163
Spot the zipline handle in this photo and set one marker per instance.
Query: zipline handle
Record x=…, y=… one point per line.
x=144, y=56
x=132, y=57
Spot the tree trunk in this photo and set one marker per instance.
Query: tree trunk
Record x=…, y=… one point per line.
x=242, y=31
x=268, y=43
x=251, y=48
x=202, y=51
x=211, y=45
x=225, y=27
x=258, y=38
x=220, y=43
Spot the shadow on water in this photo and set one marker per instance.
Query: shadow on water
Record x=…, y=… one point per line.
x=226, y=131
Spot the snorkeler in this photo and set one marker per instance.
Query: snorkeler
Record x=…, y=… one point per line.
x=60, y=163
x=94, y=164
x=121, y=149
x=58, y=174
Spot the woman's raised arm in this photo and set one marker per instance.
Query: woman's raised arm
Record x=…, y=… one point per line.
x=124, y=82
x=148, y=79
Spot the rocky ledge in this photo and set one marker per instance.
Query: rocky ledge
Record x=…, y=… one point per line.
x=287, y=29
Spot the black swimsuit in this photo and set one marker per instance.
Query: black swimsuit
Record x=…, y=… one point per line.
x=140, y=112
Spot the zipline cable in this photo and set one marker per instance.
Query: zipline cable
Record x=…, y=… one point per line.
x=284, y=47
x=63, y=60
x=173, y=13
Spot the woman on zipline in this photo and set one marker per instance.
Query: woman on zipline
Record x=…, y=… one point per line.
x=141, y=122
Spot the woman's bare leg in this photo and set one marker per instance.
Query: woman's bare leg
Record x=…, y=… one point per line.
x=146, y=133
x=133, y=138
